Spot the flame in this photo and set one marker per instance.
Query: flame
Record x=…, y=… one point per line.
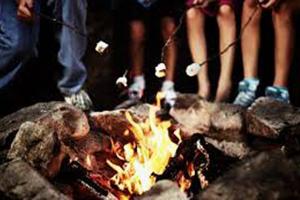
x=184, y=183
x=88, y=161
x=148, y=156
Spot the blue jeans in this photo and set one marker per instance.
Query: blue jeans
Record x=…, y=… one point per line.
x=18, y=41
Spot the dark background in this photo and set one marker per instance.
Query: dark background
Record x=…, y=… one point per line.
x=106, y=21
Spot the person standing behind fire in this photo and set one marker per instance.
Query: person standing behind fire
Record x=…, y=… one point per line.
x=282, y=14
x=139, y=12
x=223, y=10
x=19, y=30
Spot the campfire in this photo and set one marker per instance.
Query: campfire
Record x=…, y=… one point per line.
x=136, y=154
x=139, y=163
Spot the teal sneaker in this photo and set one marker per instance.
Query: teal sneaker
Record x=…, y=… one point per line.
x=247, y=92
x=278, y=93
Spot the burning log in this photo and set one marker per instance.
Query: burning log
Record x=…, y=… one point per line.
x=19, y=181
x=218, y=121
x=268, y=175
x=272, y=119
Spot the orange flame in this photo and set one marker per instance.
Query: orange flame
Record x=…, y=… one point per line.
x=148, y=156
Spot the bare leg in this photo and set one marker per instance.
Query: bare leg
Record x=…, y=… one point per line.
x=197, y=44
x=168, y=26
x=227, y=27
x=251, y=39
x=137, y=37
x=284, y=43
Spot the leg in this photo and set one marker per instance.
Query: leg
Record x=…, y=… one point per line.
x=284, y=43
x=17, y=41
x=72, y=45
x=168, y=26
x=137, y=46
x=227, y=27
x=250, y=50
x=250, y=39
x=197, y=44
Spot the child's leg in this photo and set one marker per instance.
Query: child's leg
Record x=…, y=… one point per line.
x=250, y=49
x=168, y=26
x=197, y=44
x=137, y=38
x=227, y=27
x=284, y=43
x=250, y=39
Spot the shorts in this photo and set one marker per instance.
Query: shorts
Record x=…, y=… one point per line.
x=161, y=8
x=212, y=8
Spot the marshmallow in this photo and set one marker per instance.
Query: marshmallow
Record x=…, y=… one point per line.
x=122, y=81
x=101, y=47
x=160, y=70
x=193, y=69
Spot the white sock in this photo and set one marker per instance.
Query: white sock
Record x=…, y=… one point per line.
x=140, y=81
x=167, y=85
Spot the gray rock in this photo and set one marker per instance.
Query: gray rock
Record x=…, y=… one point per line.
x=233, y=149
x=55, y=134
x=20, y=182
x=271, y=119
x=268, y=175
x=218, y=121
x=10, y=124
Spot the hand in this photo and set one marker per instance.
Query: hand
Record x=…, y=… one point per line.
x=25, y=10
x=268, y=3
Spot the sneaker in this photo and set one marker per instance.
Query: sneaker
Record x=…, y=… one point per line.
x=247, y=92
x=80, y=100
x=136, y=90
x=278, y=93
x=169, y=92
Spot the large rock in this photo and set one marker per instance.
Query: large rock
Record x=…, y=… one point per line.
x=10, y=124
x=114, y=123
x=20, y=182
x=268, y=175
x=271, y=119
x=45, y=142
x=218, y=121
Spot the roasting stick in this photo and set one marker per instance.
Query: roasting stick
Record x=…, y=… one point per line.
x=101, y=45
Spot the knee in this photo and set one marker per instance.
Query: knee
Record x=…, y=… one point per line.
x=283, y=14
x=250, y=5
x=168, y=27
x=137, y=32
x=192, y=14
x=226, y=12
x=16, y=46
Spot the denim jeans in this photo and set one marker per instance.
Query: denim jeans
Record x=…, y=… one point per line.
x=18, y=41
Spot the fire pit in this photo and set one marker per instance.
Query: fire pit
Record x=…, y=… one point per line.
x=54, y=151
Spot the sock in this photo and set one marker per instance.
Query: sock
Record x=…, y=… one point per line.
x=140, y=81
x=253, y=83
x=167, y=85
